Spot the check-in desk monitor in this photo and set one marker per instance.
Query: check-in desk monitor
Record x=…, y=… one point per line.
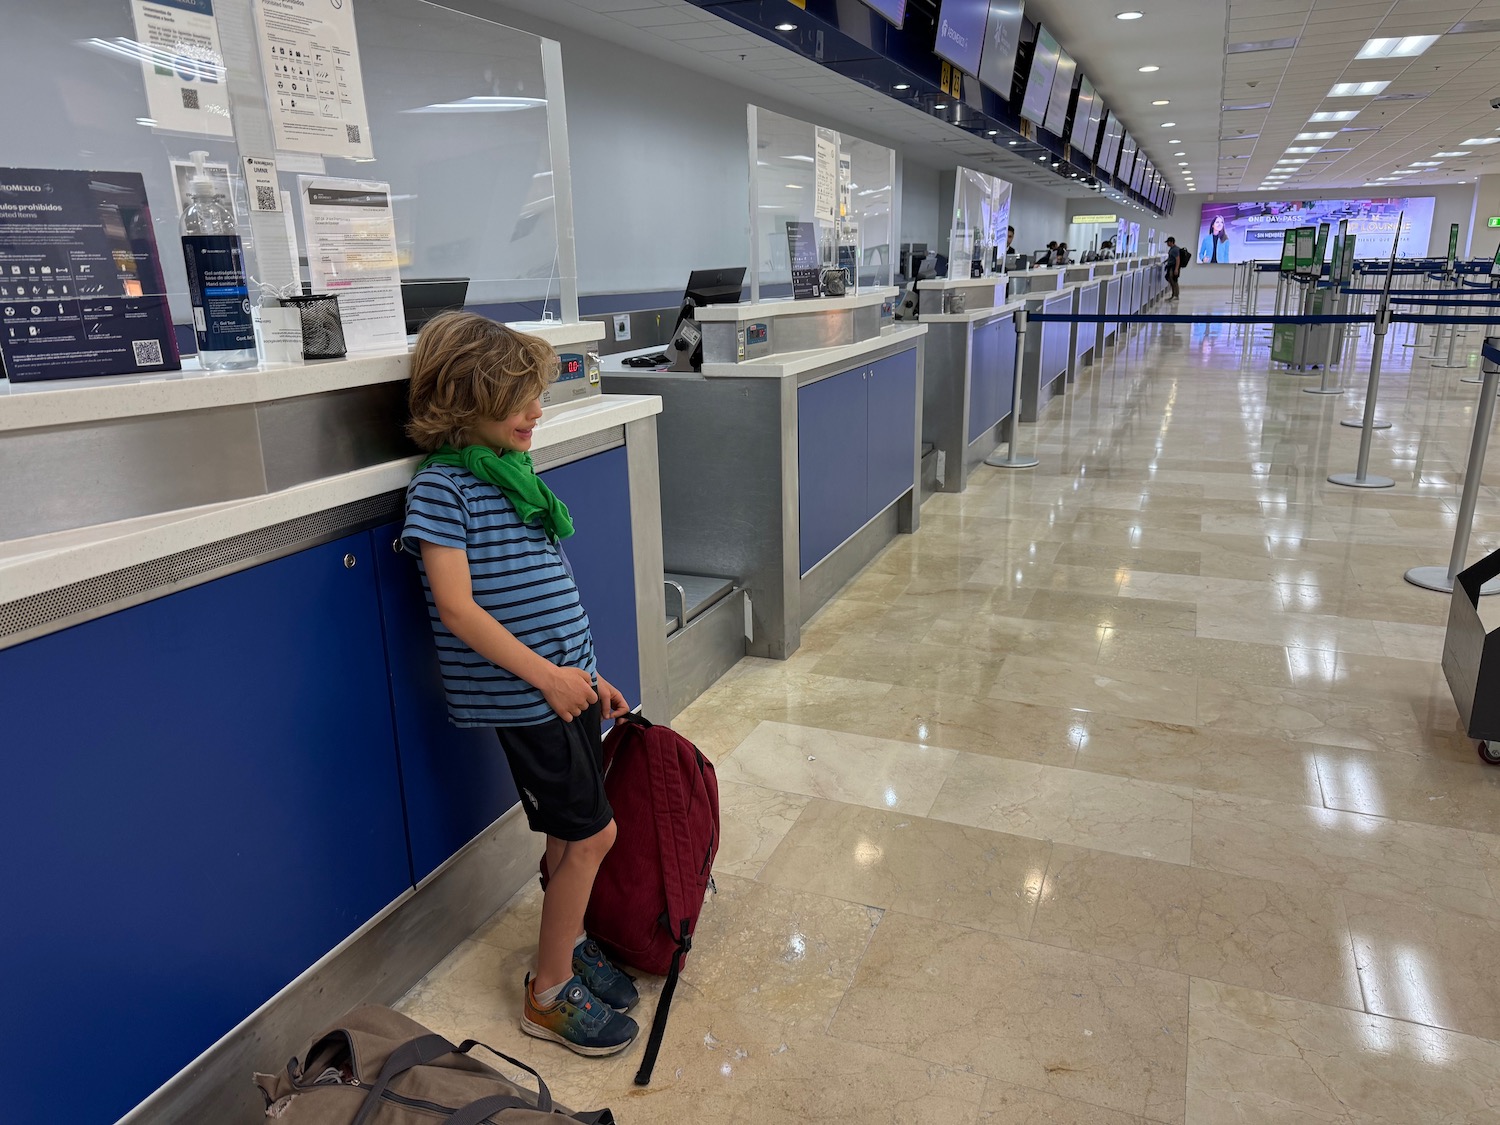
x=704, y=287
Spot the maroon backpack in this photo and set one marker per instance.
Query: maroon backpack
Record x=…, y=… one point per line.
x=650, y=889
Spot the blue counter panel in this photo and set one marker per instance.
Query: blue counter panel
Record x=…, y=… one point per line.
x=832, y=453
x=201, y=799
x=456, y=779
x=991, y=375
x=891, y=444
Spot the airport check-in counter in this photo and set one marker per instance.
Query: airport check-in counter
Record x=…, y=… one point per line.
x=1048, y=355
x=968, y=378
x=785, y=470
x=228, y=730
x=1048, y=279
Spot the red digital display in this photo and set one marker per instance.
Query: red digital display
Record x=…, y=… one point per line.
x=572, y=367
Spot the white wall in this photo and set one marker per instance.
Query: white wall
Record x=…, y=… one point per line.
x=659, y=167
x=920, y=206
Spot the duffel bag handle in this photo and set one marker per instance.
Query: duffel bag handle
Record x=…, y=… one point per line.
x=476, y=1113
x=543, y=1095
x=414, y=1052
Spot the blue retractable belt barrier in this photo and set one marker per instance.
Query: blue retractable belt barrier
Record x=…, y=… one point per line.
x=1240, y=318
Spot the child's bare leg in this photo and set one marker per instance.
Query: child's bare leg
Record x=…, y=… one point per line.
x=568, y=886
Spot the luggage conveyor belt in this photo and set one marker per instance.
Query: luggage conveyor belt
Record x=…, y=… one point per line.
x=706, y=623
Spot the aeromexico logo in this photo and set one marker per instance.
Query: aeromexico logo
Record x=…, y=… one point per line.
x=21, y=187
x=947, y=31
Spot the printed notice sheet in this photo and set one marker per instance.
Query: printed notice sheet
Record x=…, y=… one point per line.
x=351, y=252
x=825, y=179
x=183, y=66
x=313, y=85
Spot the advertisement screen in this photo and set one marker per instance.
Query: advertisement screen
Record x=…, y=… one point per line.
x=1002, y=36
x=893, y=10
x=1086, y=121
x=1062, y=94
x=960, y=34
x=1039, y=81
x=1254, y=229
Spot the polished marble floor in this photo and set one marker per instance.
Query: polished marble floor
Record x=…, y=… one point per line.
x=1128, y=790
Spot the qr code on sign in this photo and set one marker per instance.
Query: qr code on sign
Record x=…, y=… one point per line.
x=265, y=198
x=189, y=98
x=147, y=352
x=352, y=133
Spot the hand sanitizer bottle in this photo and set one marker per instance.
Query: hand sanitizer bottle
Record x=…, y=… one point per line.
x=216, y=277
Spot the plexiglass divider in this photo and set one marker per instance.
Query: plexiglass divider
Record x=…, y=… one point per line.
x=981, y=212
x=462, y=117
x=827, y=196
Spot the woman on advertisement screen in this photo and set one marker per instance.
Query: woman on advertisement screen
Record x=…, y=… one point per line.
x=1215, y=244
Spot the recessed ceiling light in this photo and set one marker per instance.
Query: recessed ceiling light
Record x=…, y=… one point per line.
x=1404, y=47
x=1182, y=164
x=1169, y=124
x=1148, y=69
x=1426, y=163
x=1335, y=115
x=901, y=86
x=1315, y=136
x=1179, y=154
x=786, y=27
x=1306, y=148
x=1128, y=15
x=1161, y=101
x=1481, y=141
x=1450, y=154
x=1357, y=89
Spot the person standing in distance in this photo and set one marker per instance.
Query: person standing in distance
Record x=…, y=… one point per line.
x=1172, y=267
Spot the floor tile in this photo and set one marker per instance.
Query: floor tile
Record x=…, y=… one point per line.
x=1093, y=609
x=752, y=822
x=1008, y=1104
x=1087, y=1028
x=1067, y=806
x=1134, y=692
x=852, y=768
x=1258, y=1059
x=1432, y=967
x=928, y=868
x=1413, y=863
x=1258, y=933
x=1462, y=794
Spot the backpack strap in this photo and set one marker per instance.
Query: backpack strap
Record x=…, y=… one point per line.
x=631, y=719
x=476, y=1113
x=669, y=803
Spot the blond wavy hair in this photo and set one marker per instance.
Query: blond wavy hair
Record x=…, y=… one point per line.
x=467, y=370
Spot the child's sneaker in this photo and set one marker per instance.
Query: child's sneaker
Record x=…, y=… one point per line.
x=603, y=979
x=578, y=1020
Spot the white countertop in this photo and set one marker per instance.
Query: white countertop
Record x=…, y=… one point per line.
x=46, y=562
x=971, y=315
x=62, y=402
x=928, y=284
x=788, y=306
x=796, y=363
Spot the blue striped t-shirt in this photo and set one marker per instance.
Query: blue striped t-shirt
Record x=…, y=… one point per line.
x=518, y=577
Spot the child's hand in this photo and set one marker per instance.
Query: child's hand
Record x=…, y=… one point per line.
x=612, y=703
x=569, y=692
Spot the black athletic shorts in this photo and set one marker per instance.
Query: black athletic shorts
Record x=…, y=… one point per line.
x=559, y=769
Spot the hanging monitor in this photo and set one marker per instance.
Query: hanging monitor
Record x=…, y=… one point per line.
x=892, y=10
x=1062, y=94
x=1002, y=38
x=960, y=32
x=1039, y=80
x=1085, y=120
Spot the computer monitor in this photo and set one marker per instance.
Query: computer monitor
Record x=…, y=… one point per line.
x=714, y=287
x=704, y=287
x=423, y=298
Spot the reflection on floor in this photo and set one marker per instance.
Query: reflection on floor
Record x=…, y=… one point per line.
x=1128, y=790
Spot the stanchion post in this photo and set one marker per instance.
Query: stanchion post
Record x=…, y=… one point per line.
x=1439, y=578
x=1012, y=459
x=1361, y=477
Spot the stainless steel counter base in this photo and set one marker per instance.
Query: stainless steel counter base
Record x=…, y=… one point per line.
x=729, y=491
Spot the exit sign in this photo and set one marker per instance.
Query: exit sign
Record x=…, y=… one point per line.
x=1495, y=220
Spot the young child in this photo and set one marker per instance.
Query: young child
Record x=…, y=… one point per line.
x=514, y=643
